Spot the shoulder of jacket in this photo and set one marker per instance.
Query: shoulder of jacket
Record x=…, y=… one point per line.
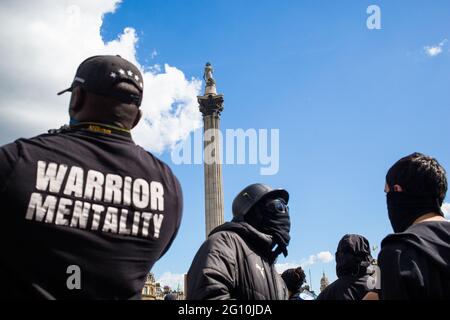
x=157, y=161
x=167, y=173
x=224, y=234
x=229, y=238
x=397, y=248
x=398, y=239
x=23, y=142
x=63, y=129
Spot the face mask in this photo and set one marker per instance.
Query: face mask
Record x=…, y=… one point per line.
x=275, y=221
x=405, y=208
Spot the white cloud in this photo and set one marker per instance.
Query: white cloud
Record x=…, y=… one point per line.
x=43, y=44
x=173, y=280
x=325, y=257
x=281, y=267
x=446, y=210
x=321, y=257
x=435, y=50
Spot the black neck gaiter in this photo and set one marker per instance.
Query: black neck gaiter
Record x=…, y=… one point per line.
x=274, y=220
x=405, y=208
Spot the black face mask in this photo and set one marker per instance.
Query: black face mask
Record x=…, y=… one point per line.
x=405, y=208
x=274, y=220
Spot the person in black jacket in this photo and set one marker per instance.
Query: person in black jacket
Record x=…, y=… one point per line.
x=237, y=260
x=86, y=212
x=352, y=261
x=415, y=261
x=294, y=279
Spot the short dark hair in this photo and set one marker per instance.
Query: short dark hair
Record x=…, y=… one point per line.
x=419, y=174
x=294, y=278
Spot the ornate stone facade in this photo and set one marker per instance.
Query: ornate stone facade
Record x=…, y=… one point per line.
x=152, y=290
x=324, y=282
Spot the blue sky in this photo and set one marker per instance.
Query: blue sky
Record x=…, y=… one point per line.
x=348, y=101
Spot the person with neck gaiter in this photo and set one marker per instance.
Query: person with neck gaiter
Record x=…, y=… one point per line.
x=237, y=261
x=353, y=259
x=415, y=260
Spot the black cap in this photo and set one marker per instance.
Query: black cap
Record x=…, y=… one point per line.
x=100, y=74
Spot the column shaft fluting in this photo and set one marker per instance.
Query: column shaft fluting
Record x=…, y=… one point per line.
x=214, y=215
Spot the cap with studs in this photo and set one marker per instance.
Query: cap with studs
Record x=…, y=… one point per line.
x=101, y=74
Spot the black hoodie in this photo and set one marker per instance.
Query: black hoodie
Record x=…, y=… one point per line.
x=235, y=262
x=416, y=264
x=352, y=259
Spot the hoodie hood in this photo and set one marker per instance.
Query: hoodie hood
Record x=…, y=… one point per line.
x=262, y=242
x=353, y=256
x=430, y=238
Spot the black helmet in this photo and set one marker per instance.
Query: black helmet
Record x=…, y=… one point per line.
x=251, y=195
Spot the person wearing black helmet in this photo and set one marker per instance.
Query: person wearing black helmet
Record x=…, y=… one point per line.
x=353, y=259
x=237, y=260
x=86, y=212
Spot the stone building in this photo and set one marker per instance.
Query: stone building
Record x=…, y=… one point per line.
x=324, y=282
x=152, y=290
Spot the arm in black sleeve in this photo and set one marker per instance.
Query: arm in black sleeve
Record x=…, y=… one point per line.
x=212, y=273
x=9, y=155
x=326, y=294
x=338, y=290
x=179, y=213
x=401, y=277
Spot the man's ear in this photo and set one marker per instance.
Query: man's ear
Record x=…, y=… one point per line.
x=77, y=100
x=137, y=119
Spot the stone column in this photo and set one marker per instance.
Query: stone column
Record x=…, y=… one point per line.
x=211, y=106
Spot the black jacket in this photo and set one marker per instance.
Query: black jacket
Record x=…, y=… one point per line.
x=352, y=259
x=91, y=200
x=234, y=263
x=415, y=264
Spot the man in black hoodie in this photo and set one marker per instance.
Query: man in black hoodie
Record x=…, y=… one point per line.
x=352, y=261
x=415, y=261
x=237, y=260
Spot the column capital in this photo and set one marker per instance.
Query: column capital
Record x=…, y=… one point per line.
x=211, y=104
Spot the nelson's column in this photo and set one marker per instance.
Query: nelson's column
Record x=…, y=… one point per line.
x=211, y=106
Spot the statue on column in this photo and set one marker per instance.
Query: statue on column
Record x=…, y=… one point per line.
x=210, y=102
x=210, y=82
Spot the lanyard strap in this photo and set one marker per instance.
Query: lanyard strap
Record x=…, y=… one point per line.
x=102, y=128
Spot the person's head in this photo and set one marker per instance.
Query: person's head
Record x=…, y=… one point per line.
x=352, y=256
x=294, y=279
x=108, y=90
x=416, y=185
x=266, y=209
